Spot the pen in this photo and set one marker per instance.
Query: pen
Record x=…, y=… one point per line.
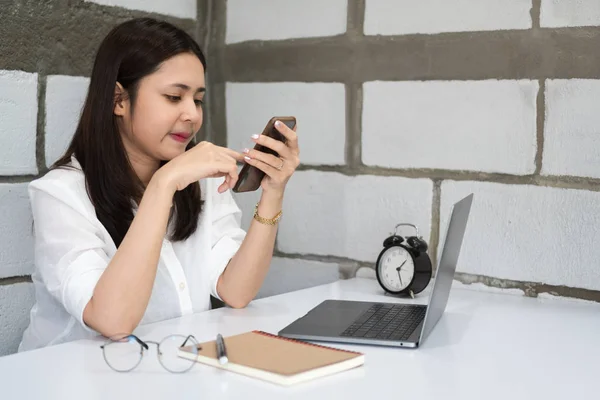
x=221, y=352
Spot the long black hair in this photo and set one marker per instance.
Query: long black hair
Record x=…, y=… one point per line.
x=130, y=51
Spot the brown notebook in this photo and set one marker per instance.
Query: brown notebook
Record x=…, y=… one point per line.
x=274, y=358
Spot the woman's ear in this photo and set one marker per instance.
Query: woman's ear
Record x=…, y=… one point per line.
x=121, y=101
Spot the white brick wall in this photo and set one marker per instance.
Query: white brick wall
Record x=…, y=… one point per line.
x=65, y=96
x=18, y=116
x=16, y=231
x=333, y=214
x=177, y=8
x=487, y=126
x=562, y=13
x=286, y=275
x=528, y=233
x=384, y=17
x=572, y=128
x=15, y=303
x=284, y=19
x=318, y=107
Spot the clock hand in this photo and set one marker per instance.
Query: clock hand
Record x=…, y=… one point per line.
x=400, y=267
x=398, y=270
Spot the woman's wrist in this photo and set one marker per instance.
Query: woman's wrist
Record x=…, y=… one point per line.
x=161, y=183
x=270, y=203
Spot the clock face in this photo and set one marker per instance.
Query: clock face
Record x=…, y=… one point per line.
x=396, y=268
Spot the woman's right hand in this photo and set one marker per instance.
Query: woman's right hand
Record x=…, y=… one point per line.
x=205, y=160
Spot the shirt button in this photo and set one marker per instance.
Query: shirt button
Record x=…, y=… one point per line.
x=181, y=286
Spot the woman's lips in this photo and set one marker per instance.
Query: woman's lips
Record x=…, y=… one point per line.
x=180, y=136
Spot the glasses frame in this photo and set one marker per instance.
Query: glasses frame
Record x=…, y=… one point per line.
x=144, y=345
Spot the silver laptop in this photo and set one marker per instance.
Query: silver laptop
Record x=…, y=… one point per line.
x=388, y=324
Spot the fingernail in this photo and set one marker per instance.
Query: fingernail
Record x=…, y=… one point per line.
x=278, y=123
x=246, y=150
x=254, y=136
x=247, y=158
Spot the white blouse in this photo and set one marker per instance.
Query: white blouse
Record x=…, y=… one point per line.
x=72, y=249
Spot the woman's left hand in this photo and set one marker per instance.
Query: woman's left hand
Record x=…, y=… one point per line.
x=278, y=170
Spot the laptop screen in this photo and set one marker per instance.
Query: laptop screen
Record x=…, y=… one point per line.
x=447, y=264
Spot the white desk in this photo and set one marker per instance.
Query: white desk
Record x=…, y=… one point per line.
x=487, y=346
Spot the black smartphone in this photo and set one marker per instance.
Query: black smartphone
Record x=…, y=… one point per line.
x=250, y=177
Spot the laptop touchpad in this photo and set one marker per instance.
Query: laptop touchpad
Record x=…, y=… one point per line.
x=331, y=317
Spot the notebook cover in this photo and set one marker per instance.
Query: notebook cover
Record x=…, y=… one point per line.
x=276, y=358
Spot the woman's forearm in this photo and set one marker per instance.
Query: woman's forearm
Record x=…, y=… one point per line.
x=241, y=280
x=123, y=291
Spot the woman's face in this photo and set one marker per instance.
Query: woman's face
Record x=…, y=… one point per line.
x=167, y=110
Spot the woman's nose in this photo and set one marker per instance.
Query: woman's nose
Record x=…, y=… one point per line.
x=192, y=112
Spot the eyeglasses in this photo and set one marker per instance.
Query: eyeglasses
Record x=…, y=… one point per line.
x=124, y=352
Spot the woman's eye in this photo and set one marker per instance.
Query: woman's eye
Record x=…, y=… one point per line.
x=199, y=102
x=174, y=99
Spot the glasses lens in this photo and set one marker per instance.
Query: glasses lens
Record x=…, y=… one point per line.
x=168, y=352
x=122, y=353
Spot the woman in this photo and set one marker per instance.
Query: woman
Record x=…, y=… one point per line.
x=135, y=223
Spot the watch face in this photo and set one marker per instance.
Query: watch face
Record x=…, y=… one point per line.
x=396, y=268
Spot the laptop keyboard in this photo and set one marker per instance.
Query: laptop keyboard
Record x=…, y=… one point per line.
x=387, y=321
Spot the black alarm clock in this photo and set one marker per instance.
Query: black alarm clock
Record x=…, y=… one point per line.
x=404, y=267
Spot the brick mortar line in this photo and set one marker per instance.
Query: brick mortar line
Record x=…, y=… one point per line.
x=505, y=55
x=536, y=8
x=344, y=39
x=40, y=143
x=217, y=128
x=564, y=182
x=434, y=237
x=15, y=279
x=204, y=28
x=221, y=21
x=204, y=23
x=354, y=105
x=324, y=259
x=551, y=181
x=354, y=91
x=531, y=45
x=540, y=58
x=15, y=179
x=530, y=289
x=540, y=125
x=355, y=21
